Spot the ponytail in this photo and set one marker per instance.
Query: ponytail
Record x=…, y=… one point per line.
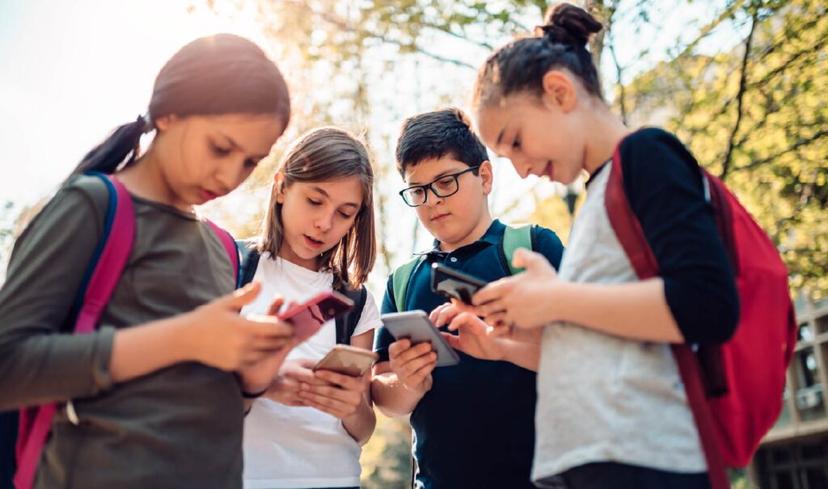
x=110, y=154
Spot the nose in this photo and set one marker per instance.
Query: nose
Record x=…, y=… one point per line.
x=324, y=222
x=230, y=176
x=432, y=199
x=522, y=166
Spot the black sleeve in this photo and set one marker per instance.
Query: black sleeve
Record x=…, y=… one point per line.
x=664, y=186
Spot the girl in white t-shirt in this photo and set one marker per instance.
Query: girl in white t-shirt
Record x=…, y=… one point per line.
x=307, y=429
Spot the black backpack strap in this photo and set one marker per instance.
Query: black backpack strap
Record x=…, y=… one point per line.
x=249, y=260
x=347, y=323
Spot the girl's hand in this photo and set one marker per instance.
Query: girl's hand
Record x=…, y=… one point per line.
x=216, y=335
x=340, y=395
x=285, y=388
x=473, y=336
x=525, y=300
x=262, y=374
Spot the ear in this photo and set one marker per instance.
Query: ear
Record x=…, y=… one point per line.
x=487, y=176
x=279, y=187
x=559, y=91
x=164, y=122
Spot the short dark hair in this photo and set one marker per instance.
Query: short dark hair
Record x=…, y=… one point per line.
x=445, y=132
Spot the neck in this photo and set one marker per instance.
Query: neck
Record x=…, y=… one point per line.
x=145, y=179
x=287, y=253
x=475, y=234
x=608, y=131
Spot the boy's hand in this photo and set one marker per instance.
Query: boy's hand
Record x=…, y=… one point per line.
x=473, y=336
x=413, y=364
x=524, y=300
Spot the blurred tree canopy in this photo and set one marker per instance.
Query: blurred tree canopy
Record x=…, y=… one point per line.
x=741, y=82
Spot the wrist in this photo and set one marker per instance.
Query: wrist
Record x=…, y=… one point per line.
x=180, y=339
x=557, y=293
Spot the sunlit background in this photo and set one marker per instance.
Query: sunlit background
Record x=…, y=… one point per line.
x=72, y=71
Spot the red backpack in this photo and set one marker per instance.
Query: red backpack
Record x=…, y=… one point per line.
x=734, y=389
x=103, y=273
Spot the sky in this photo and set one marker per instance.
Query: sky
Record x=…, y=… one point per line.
x=72, y=71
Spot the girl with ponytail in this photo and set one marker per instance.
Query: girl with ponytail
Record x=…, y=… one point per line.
x=612, y=411
x=156, y=389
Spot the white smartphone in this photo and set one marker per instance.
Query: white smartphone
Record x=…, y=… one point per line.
x=347, y=360
x=416, y=326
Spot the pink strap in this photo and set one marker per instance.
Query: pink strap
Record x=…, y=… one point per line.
x=36, y=422
x=229, y=246
x=631, y=236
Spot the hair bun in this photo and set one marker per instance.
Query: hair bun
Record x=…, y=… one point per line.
x=568, y=24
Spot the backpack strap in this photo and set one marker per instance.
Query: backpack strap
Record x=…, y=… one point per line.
x=347, y=323
x=102, y=275
x=249, y=261
x=229, y=246
x=631, y=236
x=514, y=238
x=400, y=280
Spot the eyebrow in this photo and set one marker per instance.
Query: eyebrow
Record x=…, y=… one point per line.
x=239, y=147
x=322, y=191
x=437, y=177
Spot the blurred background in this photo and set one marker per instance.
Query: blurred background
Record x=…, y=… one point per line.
x=742, y=83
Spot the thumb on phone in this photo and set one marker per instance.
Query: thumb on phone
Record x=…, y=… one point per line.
x=241, y=297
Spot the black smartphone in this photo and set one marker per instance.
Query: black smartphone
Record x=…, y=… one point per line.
x=452, y=284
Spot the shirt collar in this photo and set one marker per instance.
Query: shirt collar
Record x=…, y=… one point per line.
x=491, y=236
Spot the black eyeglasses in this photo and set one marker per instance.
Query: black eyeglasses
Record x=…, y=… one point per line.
x=445, y=186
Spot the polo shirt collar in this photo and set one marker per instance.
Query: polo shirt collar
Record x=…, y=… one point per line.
x=491, y=236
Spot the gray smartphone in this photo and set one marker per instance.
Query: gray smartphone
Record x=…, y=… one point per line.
x=416, y=326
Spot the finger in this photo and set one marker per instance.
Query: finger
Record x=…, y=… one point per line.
x=462, y=306
x=241, y=297
x=497, y=319
x=491, y=308
x=277, y=304
x=468, y=323
x=344, y=381
x=266, y=326
x=436, y=313
x=493, y=291
x=414, y=365
x=398, y=346
x=329, y=402
x=420, y=374
x=446, y=315
x=530, y=260
x=419, y=351
x=452, y=340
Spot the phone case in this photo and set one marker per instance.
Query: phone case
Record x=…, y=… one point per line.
x=347, y=360
x=453, y=284
x=309, y=316
x=416, y=326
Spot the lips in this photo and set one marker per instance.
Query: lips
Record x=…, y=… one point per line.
x=208, y=195
x=440, y=217
x=311, y=242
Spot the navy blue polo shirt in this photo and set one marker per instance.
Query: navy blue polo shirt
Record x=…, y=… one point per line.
x=475, y=428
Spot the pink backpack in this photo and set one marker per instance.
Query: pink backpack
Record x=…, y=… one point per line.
x=734, y=389
x=103, y=273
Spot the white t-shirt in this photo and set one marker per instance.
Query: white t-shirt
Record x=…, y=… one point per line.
x=295, y=447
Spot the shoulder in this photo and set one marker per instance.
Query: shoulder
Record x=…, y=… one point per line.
x=652, y=158
x=547, y=243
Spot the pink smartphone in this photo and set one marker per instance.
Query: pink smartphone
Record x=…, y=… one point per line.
x=309, y=316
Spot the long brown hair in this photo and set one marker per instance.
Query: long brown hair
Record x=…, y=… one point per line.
x=322, y=154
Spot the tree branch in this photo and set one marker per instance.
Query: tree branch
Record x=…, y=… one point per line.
x=739, y=97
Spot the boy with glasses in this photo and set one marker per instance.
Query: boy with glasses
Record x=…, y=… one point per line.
x=473, y=422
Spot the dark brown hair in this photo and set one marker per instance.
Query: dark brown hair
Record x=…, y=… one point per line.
x=437, y=134
x=319, y=155
x=214, y=75
x=520, y=65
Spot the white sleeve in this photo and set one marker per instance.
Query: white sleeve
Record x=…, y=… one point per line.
x=370, y=318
